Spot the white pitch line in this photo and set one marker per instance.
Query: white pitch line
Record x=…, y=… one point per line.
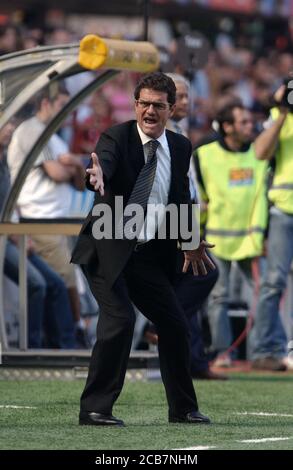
x=260, y=413
x=197, y=448
x=17, y=407
x=265, y=439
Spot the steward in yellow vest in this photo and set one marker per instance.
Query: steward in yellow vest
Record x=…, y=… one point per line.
x=233, y=184
x=270, y=346
x=281, y=191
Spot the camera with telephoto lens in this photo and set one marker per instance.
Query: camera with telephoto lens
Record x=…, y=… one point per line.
x=287, y=99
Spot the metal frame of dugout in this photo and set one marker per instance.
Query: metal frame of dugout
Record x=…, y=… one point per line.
x=22, y=75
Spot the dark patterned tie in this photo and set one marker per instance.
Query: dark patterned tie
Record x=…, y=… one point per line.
x=144, y=183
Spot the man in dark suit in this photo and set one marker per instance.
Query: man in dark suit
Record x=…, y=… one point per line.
x=135, y=160
x=192, y=291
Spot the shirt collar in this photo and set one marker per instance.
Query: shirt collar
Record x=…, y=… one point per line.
x=243, y=148
x=145, y=138
x=176, y=126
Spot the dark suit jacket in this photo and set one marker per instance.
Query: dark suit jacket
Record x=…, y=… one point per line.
x=121, y=156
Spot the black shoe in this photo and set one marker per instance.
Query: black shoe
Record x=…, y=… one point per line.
x=193, y=417
x=91, y=418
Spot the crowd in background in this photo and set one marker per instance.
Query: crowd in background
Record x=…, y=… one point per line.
x=233, y=68
x=238, y=63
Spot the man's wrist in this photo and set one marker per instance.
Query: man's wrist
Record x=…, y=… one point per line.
x=283, y=108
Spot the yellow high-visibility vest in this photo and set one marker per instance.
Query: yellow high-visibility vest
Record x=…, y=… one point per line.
x=281, y=191
x=235, y=188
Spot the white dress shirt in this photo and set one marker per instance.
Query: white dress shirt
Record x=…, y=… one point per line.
x=161, y=186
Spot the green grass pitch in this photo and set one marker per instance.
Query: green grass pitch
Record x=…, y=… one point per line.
x=52, y=422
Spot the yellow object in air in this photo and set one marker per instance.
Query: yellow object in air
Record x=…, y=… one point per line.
x=96, y=52
x=92, y=52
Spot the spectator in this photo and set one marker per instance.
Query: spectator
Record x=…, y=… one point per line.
x=192, y=291
x=270, y=338
x=45, y=194
x=232, y=183
x=50, y=321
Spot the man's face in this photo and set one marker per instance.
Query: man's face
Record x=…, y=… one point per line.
x=182, y=104
x=59, y=102
x=51, y=108
x=152, y=112
x=243, y=125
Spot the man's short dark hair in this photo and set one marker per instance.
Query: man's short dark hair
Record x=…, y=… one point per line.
x=157, y=81
x=50, y=93
x=226, y=114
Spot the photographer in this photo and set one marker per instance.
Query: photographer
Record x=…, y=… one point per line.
x=276, y=141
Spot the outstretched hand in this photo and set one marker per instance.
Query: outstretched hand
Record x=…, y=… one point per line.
x=198, y=259
x=96, y=174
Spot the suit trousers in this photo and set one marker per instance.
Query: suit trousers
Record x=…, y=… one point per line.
x=145, y=283
x=192, y=291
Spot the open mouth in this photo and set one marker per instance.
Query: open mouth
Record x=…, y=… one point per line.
x=150, y=121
